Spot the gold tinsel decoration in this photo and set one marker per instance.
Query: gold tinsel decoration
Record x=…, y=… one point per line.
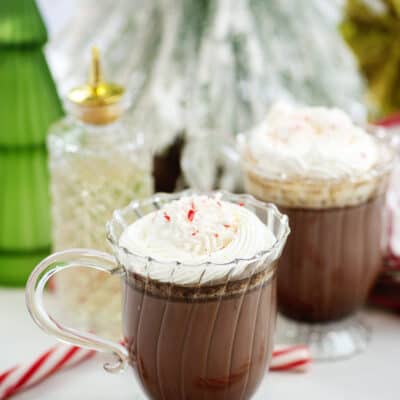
x=372, y=30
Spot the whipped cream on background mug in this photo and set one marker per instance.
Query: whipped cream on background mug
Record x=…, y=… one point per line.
x=312, y=142
x=313, y=157
x=199, y=292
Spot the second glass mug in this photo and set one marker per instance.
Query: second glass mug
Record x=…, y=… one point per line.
x=211, y=339
x=335, y=251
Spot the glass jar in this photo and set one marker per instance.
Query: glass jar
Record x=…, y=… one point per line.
x=96, y=165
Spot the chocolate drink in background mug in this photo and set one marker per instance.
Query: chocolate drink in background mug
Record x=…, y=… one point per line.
x=335, y=273
x=330, y=177
x=198, y=330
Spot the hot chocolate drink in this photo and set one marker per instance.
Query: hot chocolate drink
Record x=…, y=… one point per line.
x=335, y=272
x=199, y=293
x=330, y=177
x=199, y=321
x=200, y=342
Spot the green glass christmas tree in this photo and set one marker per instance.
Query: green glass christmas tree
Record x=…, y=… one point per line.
x=29, y=104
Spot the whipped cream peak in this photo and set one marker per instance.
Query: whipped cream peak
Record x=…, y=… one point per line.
x=196, y=229
x=199, y=224
x=311, y=142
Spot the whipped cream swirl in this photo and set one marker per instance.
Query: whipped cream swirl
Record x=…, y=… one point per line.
x=194, y=230
x=311, y=142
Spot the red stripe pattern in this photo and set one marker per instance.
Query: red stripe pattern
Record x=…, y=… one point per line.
x=20, y=378
x=290, y=358
x=5, y=374
x=28, y=374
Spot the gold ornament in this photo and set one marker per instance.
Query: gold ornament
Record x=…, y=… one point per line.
x=372, y=30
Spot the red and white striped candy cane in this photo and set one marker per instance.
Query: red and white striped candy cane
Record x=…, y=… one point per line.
x=290, y=358
x=20, y=378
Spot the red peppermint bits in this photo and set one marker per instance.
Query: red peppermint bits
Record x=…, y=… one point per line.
x=190, y=214
x=167, y=217
x=194, y=233
x=227, y=226
x=241, y=204
x=216, y=235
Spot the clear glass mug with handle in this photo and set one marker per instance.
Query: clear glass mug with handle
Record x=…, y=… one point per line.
x=211, y=336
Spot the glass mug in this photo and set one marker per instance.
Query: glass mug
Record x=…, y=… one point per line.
x=334, y=254
x=211, y=339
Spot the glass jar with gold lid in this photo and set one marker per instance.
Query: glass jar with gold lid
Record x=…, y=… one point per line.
x=97, y=164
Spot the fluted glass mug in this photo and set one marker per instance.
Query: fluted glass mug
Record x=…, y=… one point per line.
x=211, y=338
x=335, y=251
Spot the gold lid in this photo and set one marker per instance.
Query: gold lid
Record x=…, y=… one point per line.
x=96, y=92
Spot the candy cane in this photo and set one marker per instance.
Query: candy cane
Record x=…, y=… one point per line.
x=290, y=358
x=20, y=378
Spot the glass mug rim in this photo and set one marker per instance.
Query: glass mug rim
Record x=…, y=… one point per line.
x=160, y=198
x=115, y=264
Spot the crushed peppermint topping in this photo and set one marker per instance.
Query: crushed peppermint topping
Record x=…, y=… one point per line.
x=201, y=222
x=190, y=214
x=167, y=217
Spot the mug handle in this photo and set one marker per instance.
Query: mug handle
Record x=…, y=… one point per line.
x=34, y=299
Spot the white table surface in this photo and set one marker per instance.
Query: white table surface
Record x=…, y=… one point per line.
x=373, y=375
